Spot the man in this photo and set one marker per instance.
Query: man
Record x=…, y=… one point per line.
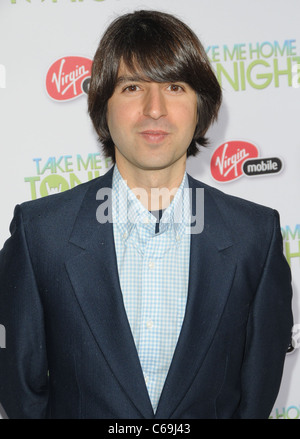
x=118, y=300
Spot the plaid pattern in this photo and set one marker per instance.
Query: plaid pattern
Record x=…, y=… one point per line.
x=153, y=271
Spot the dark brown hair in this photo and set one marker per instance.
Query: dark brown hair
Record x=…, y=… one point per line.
x=164, y=49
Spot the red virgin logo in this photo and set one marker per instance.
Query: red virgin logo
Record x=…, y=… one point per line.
x=227, y=161
x=68, y=78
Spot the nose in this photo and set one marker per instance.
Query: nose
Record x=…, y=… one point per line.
x=154, y=102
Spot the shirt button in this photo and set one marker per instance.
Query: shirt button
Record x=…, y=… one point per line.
x=149, y=324
x=125, y=234
x=151, y=265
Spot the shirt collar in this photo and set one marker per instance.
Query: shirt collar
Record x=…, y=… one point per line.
x=129, y=213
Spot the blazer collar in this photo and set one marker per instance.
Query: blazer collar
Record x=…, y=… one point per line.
x=212, y=269
x=94, y=276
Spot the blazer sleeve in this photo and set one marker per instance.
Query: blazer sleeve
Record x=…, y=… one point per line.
x=23, y=361
x=268, y=333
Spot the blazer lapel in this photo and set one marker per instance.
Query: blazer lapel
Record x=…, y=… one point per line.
x=94, y=276
x=212, y=268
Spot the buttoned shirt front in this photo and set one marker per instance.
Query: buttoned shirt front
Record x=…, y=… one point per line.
x=153, y=269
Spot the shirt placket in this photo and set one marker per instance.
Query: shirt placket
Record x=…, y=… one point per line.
x=148, y=333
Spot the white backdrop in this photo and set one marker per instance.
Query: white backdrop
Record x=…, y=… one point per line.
x=48, y=144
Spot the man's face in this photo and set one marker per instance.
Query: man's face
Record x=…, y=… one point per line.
x=151, y=124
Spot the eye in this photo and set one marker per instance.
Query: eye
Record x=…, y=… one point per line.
x=131, y=88
x=175, y=88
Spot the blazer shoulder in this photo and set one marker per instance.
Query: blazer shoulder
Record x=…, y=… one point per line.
x=51, y=219
x=232, y=201
x=240, y=215
x=64, y=204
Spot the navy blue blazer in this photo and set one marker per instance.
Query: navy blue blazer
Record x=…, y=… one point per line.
x=69, y=349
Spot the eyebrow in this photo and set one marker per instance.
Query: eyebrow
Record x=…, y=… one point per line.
x=126, y=78
x=123, y=79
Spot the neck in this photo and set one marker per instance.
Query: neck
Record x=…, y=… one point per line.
x=154, y=188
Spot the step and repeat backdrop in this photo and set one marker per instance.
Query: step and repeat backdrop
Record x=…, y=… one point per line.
x=48, y=144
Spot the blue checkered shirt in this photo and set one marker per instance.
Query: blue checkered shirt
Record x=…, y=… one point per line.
x=154, y=271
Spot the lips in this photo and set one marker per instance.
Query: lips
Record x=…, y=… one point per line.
x=154, y=136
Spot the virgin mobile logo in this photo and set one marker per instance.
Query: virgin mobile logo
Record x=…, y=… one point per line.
x=233, y=159
x=226, y=162
x=68, y=78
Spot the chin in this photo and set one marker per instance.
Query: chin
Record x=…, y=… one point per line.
x=154, y=165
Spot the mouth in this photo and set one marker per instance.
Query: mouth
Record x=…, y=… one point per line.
x=154, y=136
